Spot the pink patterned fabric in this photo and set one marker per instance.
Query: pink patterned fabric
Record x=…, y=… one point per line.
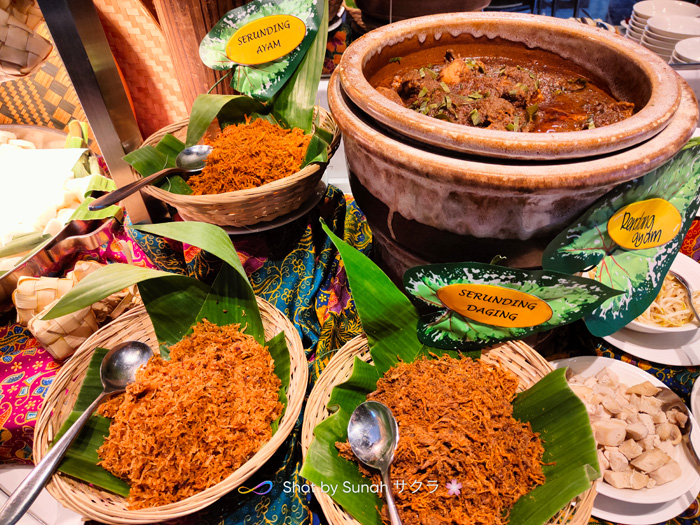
x=27, y=370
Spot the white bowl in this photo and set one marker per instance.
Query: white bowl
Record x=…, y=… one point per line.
x=631, y=375
x=688, y=49
x=679, y=27
x=652, y=39
x=675, y=59
x=656, y=48
x=650, y=8
x=687, y=268
x=637, y=34
x=637, y=25
x=662, y=38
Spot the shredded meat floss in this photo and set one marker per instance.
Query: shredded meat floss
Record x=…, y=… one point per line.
x=249, y=155
x=186, y=424
x=455, y=422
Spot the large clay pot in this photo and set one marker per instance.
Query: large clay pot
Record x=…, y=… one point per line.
x=627, y=70
x=428, y=205
x=429, y=198
x=402, y=9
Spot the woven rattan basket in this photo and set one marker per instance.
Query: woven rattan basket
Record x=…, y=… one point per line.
x=515, y=356
x=251, y=206
x=106, y=507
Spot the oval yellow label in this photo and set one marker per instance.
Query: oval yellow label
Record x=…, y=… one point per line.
x=645, y=224
x=265, y=39
x=495, y=305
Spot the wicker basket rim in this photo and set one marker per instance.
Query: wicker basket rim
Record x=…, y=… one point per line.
x=221, y=198
x=298, y=381
x=358, y=347
x=238, y=194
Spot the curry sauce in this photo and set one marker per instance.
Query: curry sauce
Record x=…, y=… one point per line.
x=498, y=93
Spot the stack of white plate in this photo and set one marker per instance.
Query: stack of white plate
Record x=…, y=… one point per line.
x=660, y=24
x=662, y=33
x=687, y=51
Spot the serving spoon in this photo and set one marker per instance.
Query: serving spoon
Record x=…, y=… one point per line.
x=373, y=436
x=688, y=290
x=117, y=370
x=189, y=160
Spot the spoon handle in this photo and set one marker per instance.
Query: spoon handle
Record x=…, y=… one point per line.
x=688, y=290
x=123, y=192
x=24, y=495
x=389, y=496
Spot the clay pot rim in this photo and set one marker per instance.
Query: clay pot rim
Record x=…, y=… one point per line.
x=662, y=105
x=529, y=176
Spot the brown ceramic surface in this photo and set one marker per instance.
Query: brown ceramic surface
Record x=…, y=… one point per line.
x=627, y=70
x=402, y=9
x=445, y=206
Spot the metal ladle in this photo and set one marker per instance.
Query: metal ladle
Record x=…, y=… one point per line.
x=189, y=160
x=373, y=436
x=688, y=290
x=117, y=370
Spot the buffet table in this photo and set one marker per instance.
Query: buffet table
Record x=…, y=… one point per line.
x=296, y=266
x=298, y=270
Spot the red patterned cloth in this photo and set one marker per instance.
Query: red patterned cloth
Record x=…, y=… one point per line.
x=691, y=243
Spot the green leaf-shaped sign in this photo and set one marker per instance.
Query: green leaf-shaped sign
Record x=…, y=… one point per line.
x=587, y=245
x=261, y=80
x=480, y=304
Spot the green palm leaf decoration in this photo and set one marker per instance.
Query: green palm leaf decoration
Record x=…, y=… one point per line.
x=569, y=298
x=292, y=105
x=390, y=321
x=261, y=81
x=587, y=245
x=174, y=303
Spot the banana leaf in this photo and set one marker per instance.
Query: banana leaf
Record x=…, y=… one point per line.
x=262, y=81
x=23, y=243
x=228, y=109
x=294, y=104
x=586, y=244
x=99, y=183
x=83, y=213
x=569, y=298
x=387, y=316
x=174, y=303
x=550, y=406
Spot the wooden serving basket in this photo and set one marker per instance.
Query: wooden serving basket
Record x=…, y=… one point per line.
x=515, y=356
x=251, y=206
x=106, y=507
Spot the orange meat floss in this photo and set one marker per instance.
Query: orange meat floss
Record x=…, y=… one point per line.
x=250, y=155
x=187, y=423
x=455, y=423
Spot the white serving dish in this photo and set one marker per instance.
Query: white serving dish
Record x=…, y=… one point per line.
x=690, y=270
x=661, y=38
x=649, y=39
x=631, y=375
x=679, y=27
x=688, y=49
x=650, y=8
x=637, y=24
x=677, y=60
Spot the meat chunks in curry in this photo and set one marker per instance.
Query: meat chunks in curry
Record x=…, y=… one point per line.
x=496, y=94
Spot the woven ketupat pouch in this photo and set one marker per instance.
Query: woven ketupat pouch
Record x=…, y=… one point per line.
x=22, y=49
